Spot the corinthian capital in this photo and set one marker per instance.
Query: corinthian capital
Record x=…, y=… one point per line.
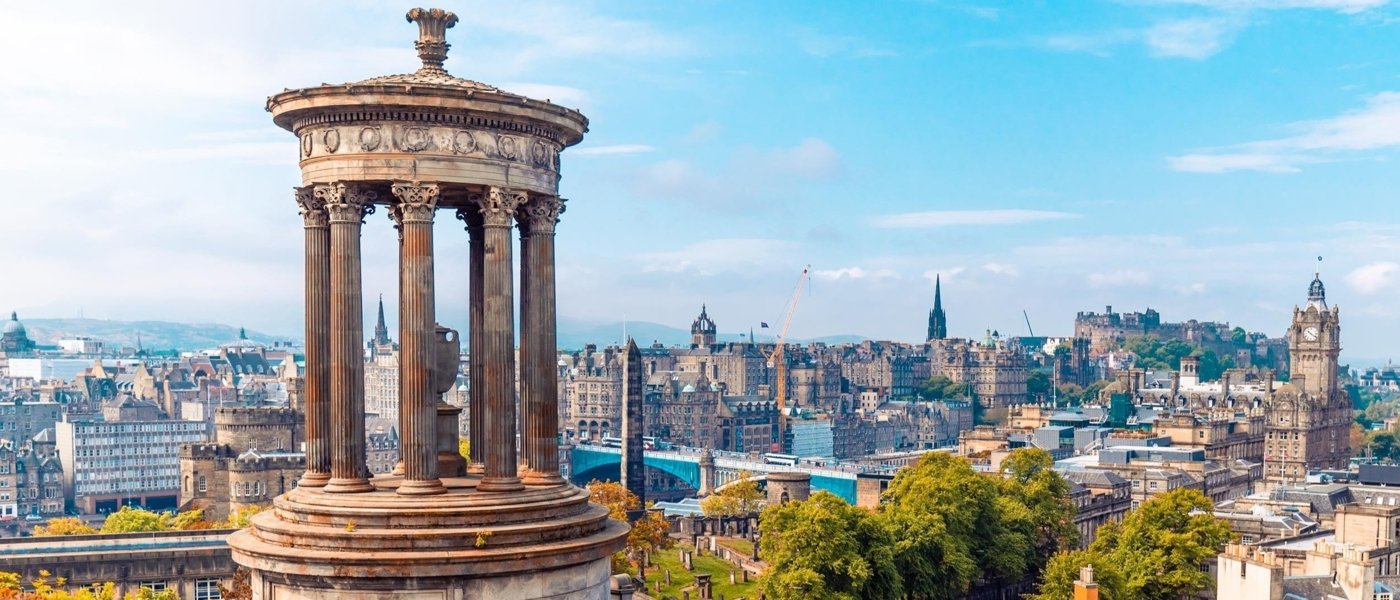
x=347, y=201
x=417, y=201
x=313, y=209
x=498, y=205
x=540, y=214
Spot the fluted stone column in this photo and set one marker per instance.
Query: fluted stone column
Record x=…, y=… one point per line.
x=417, y=327
x=476, y=403
x=347, y=205
x=316, y=387
x=538, y=342
x=497, y=333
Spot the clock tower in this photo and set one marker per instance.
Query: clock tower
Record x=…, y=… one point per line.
x=1314, y=342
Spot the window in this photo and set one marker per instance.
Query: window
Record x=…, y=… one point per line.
x=155, y=586
x=203, y=485
x=207, y=589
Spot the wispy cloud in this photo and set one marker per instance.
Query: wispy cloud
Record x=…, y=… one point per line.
x=950, y=218
x=1188, y=38
x=713, y=257
x=853, y=273
x=1341, y=6
x=749, y=172
x=1376, y=126
x=1001, y=269
x=1120, y=278
x=612, y=150
x=1374, y=277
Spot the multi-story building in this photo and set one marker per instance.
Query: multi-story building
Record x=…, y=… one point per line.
x=107, y=464
x=381, y=446
x=39, y=477
x=257, y=453
x=9, y=479
x=23, y=415
x=593, y=391
x=992, y=370
x=747, y=424
x=14, y=339
x=1099, y=497
x=683, y=408
x=382, y=372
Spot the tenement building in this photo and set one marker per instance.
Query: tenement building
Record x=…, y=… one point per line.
x=110, y=463
x=507, y=524
x=995, y=372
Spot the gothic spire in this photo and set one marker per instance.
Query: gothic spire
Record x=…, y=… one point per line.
x=381, y=331
x=937, y=320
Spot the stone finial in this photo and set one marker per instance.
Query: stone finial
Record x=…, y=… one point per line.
x=432, y=45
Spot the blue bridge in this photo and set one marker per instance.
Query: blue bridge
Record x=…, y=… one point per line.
x=590, y=462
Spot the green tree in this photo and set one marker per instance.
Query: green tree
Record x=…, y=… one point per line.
x=1038, y=386
x=934, y=387
x=1383, y=445
x=1162, y=546
x=1062, y=570
x=649, y=532
x=135, y=520
x=1239, y=337
x=950, y=528
x=189, y=520
x=1041, y=508
x=826, y=549
x=739, y=498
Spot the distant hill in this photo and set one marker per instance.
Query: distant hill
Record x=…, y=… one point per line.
x=165, y=335
x=153, y=335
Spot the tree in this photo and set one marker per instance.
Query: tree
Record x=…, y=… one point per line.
x=650, y=531
x=243, y=517
x=1042, y=509
x=1038, y=386
x=47, y=587
x=190, y=520
x=1057, y=583
x=934, y=387
x=827, y=549
x=1239, y=337
x=135, y=520
x=739, y=498
x=950, y=528
x=1162, y=545
x=64, y=526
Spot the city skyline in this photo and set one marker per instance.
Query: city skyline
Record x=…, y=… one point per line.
x=1040, y=160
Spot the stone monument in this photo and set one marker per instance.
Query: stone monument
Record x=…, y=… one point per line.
x=507, y=525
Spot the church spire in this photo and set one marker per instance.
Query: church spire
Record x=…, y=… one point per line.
x=937, y=320
x=381, y=331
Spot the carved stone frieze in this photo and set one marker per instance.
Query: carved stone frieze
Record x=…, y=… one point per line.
x=525, y=149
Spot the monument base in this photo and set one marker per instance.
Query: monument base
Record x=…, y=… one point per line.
x=542, y=542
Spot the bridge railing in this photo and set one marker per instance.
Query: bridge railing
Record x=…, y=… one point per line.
x=741, y=461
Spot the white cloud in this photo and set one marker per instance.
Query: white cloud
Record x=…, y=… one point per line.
x=748, y=174
x=853, y=273
x=950, y=218
x=1187, y=38
x=702, y=132
x=1375, y=126
x=1374, y=277
x=713, y=257
x=611, y=150
x=1119, y=278
x=1001, y=269
x=939, y=274
x=561, y=95
x=1341, y=6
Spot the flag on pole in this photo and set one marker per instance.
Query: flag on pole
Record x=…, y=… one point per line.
x=762, y=324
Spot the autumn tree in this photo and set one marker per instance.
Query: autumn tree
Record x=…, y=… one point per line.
x=739, y=498
x=827, y=549
x=135, y=520
x=650, y=532
x=243, y=517
x=64, y=526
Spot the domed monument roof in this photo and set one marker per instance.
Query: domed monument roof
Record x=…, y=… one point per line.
x=13, y=327
x=441, y=127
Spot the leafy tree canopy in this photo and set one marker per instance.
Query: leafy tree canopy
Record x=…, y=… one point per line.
x=827, y=549
x=64, y=526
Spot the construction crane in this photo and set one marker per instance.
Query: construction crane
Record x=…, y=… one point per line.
x=777, y=359
x=1028, y=322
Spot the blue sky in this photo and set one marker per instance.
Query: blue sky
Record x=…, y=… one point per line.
x=1195, y=156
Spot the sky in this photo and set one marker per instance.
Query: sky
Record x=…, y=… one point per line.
x=1193, y=156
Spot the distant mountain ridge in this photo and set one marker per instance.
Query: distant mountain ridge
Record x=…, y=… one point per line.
x=151, y=335
x=166, y=335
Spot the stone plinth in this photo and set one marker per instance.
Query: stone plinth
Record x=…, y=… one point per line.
x=539, y=543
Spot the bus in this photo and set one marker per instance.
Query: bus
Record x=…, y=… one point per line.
x=773, y=458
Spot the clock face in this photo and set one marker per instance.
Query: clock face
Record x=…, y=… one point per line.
x=1310, y=334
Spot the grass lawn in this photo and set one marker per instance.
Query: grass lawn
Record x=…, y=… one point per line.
x=739, y=545
x=718, y=569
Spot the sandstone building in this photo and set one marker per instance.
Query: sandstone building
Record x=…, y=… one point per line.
x=255, y=456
